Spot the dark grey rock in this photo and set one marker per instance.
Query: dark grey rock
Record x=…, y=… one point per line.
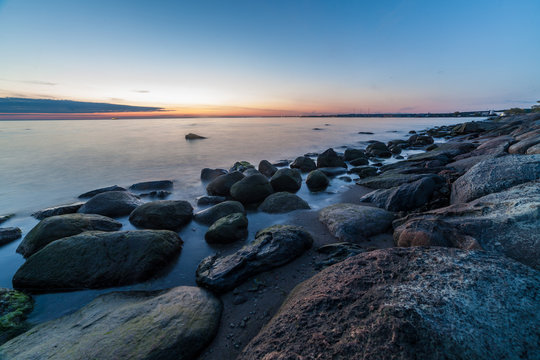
x=251, y=189
x=152, y=185
x=266, y=168
x=9, y=234
x=192, y=136
x=378, y=149
x=241, y=166
x=493, y=147
x=286, y=180
x=210, y=200
x=337, y=252
x=317, y=181
x=282, y=202
x=14, y=308
x=364, y=171
x=228, y=229
x=111, y=203
x=221, y=186
x=351, y=154
x=359, y=162
x=208, y=174
x=522, y=146
x=333, y=171
x=212, y=214
x=365, y=133
x=156, y=194
x=304, y=164
x=420, y=140
x=57, y=210
x=163, y=214
x=447, y=150
x=93, y=193
x=281, y=163
x=330, y=158
x=390, y=179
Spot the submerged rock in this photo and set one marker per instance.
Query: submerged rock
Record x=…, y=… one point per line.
x=98, y=259
x=210, y=200
x=164, y=214
x=304, y=164
x=170, y=324
x=93, y=193
x=14, y=307
x=251, y=189
x=192, y=136
x=364, y=171
x=57, y=210
x=283, y=202
x=57, y=227
x=359, y=162
x=4, y=218
x=9, y=234
x=415, y=303
x=228, y=229
x=152, y=185
x=272, y=247
x=221, y=186
x=111, y=203
x=317, y=181
x=216, y=212
x=286, y=180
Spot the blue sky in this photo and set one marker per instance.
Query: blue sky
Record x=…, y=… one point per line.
x=274, y=57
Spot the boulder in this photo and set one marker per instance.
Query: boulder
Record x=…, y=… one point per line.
x=156, y=194
x=420, y=140
x=333, y=171
x=317, y=181
x=163, y=214
x=444, y=151
x=57, y=210
x=241, y=166
x=414, y=303
x=97, y=259
x=286, y=180
x=359, y=161
x=522, y=146
x=355, y=223
x=111, y=203
x=228, y=229
x=351, y=154
x=170, y=324
x=192, y=136
x=535, y=149
x=221, y=186
x=251, y=189
x=208, y=174
x=9, y=234
x=304, y=164
x=364, y=171
x=465, y=164
x=57, y=227
x=472, y=127
x=494, y=147
x=93, y=193
x=266, y=168
x=4, y=218
x=14, y=307
x=272, y=247
x=330, y=158
x=390, y=179
x=494, y=175
x=251, y=171
x=337, y=252
x=378, y=149
x=281, y=163
x=432, y=232
x=210, y=200
x=282, y=202
x=152, y=185
x=212, y=214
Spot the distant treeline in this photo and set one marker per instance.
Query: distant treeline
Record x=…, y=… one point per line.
x=453, y=114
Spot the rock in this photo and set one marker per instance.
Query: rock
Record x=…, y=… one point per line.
x=221, y=186
x=390, y=179
x=359, y=162
x=228, y=229
x=398, y=143
x=111, y=203
x=345, y=178
x=282, y=202
x=535, y=149
x=9, y=234
x=351, y=154
x=471, y=127
x=447, y=150
x=14, y=307
x=364, y=171
x=249, y=172
x=281, y=163
x=159, y=194
x=57, y=227
x=378, y=149
x=286, y=180
x=494, y=175
x=317, y=181
x=414, y=303
x=465, y=164
x=330, y=158
x=170, y=324
x=251, y=189
x=192, y=136
x=354, y=223
x=304, y=164
x=163, y=214
x=494, y=147
x=333, y=171
x=93, y=193
x=311, y=154
x=216, y=212
x=407, y=196
x=272, y=247
x=210, y=200
x=420, y=140
x=96, y=259
x=266, y=168
x=317, y=129
x=57, y=210
x=241, y=166
x=208, y=174
x=4, y=218
x=396, y=150
x=522, y=146
x=337, y=253
x=152, y=185
x=365, y=133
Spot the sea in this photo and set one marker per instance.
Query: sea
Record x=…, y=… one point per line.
x=50, y=162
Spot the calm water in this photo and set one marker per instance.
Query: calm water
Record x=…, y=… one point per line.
x=47, y=163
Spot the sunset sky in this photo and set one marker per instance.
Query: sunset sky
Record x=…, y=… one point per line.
x=269, y=57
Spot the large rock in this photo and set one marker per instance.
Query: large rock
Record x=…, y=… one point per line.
x=170, y=324
x=359, y=162
x=407, y=196
x=272, y=247
x=447, y=150
x=317, y=181
x=9, y=234
x=210, y=200
x=228, y=229
x=495, y=175
x=351, y=154
x=364, y=171
x=378, y=149
x=14, y=307
x=98, y=259
x=283, y=202
x=152, y=185
x=494, y=147
x=93, y=193
x=111, y=203
x=221, y=186
x=208, y=174
x=415, y=303
x=420, y=140
x=241, y=166
x=163, y=214
x=535, y=149
x=4, y=218
x=251, y=189
x=432, y=232
x=266, y=168
x=390, y=179
x=57, y=210
x=192, y=136
x=522, y=146
x=61, y=226
x=286, y=180
x=354, y=223
x=216, y=212
x=304, y=164
x=330, y=158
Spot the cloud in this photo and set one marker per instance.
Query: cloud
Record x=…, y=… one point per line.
x=11, y=105
x=141, y=91
x=35, y=82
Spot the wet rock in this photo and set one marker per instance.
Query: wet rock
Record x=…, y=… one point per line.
x=241, y=166
x=192, y=136
x=221, y=186
x=152, y=185
x=57, y=227
x=465, y=164
x=395, y=150
x=420, y=140
x=318, y=129
x=111, y=203
x=228, y=229
x=345, y=178
x=330, y=158
x=157, y=194
x=359, y=162
x=337, y=253
x=304, y=164
x=445, y=151
x=163, y=214
x=351, y=154
x=397, y=143
x=251, y=189
x=266, y=168
x=93, y=193
x=390, y=179
x=208, y=174
x=365, y=133
x=272, y=247
x=210, y=200
x=216, y=212
x=286, y=180
x=170, y=324
x=414, y=303
x=378, y=149
x=472, y=127
x=317, y=181
x=14, y=307
x=9, y=234
x=57, y=210
x=239, y=299
x=96, y=259
x=364, y=171
x=494, y=175
x=432, y=232
x=281, y=163
x=4, y=218
x=333, y=171
x=354, y=223
x=249, y=172
x=282, y=202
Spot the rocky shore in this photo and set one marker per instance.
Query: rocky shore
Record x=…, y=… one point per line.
x=433, y=255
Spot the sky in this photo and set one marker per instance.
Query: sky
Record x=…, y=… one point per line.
x=271, y=57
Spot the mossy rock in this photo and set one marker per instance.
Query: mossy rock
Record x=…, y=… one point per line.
x=14, y=307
